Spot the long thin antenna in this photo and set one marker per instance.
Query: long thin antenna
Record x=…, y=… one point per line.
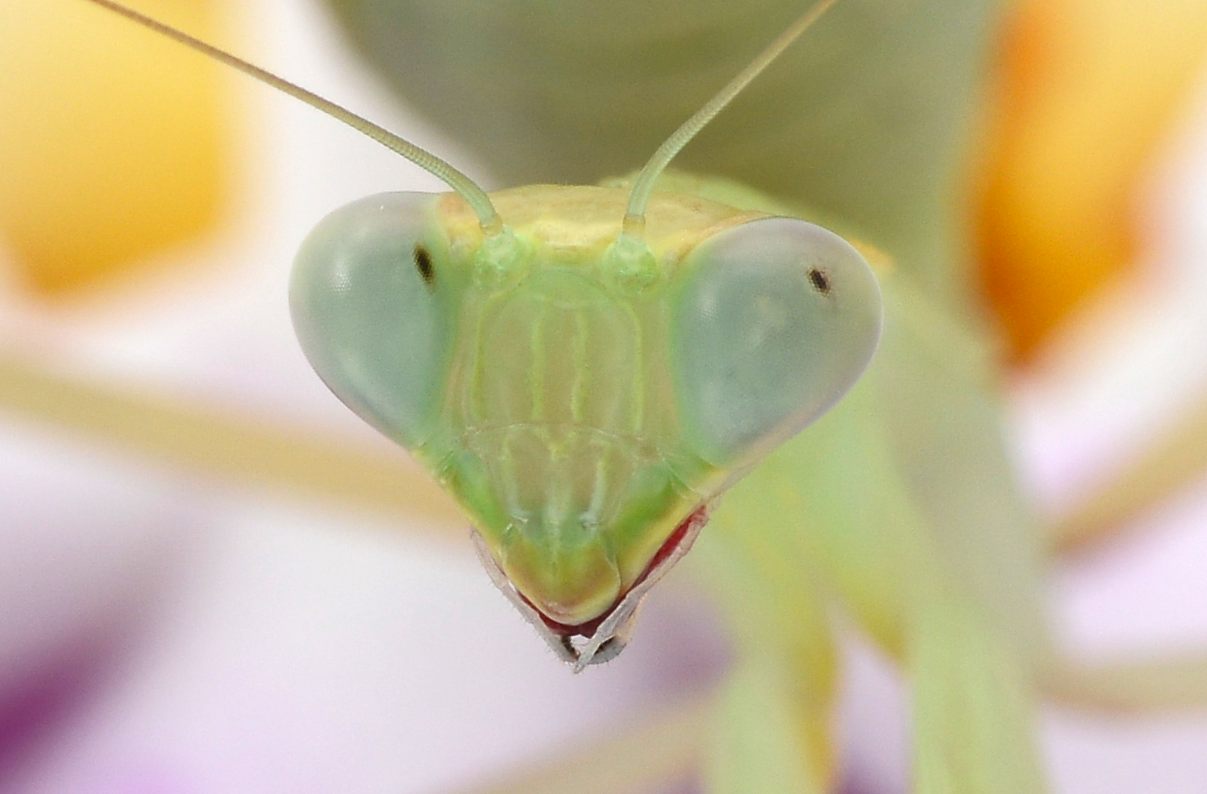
x=462, y=184
x=634, y=218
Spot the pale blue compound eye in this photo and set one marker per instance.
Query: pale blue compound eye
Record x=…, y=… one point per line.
x=775, y=320
x=370, y=302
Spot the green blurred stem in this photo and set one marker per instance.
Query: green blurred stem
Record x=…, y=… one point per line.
x=643, y=756
x=245, y=449
x=1173, y=461
x=1169, y=684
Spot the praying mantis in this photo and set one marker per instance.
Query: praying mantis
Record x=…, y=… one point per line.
x=935, y=554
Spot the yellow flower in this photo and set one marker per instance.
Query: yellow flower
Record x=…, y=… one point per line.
x=114, y=144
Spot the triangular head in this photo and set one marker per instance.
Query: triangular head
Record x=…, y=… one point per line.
x=584, y=409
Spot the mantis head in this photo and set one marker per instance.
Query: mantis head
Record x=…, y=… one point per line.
x=584, y=405
x=583, y=385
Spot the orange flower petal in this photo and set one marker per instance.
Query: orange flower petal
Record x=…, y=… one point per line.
x=1085, y=92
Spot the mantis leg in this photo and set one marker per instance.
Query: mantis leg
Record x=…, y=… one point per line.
x=771, y=732
x=1174, y=460
x=1171, y=462
x=1155, y=684
x=972, y=693
x=972, y=703
x=774, y=731
x=906, y=513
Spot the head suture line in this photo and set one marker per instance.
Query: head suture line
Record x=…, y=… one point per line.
x=462, y=184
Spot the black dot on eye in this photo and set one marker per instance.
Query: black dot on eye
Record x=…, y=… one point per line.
x=423, y=263
x=820, y=280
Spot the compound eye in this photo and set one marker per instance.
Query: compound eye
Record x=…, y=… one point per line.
x=370, y=306
x=775, y=321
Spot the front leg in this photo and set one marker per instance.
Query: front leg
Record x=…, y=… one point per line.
x=869, y=538
x=972, y=703
x=774, y=719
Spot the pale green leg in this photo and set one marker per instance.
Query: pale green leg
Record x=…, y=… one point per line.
x=1145, y=682
x=863, y=530
x=774, y=729
x=972, y=707
x=1142, y=683
x=769, y=733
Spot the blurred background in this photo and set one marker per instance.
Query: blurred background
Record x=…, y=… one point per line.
x=214, y=578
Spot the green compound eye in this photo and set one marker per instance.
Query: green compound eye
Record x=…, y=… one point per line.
x=775, y=320
x=369, y=299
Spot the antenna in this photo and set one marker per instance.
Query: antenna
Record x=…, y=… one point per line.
x=634, y=217
x=474, y=196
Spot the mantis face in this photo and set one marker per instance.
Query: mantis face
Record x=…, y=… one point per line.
x=583, y=406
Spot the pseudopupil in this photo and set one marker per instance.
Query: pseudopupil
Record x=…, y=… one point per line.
x=423, y=263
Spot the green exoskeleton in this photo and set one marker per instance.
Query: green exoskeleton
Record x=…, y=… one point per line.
x=585, y=406
x=587, y=369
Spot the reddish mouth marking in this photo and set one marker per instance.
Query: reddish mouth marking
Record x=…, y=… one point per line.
x=698, y=517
